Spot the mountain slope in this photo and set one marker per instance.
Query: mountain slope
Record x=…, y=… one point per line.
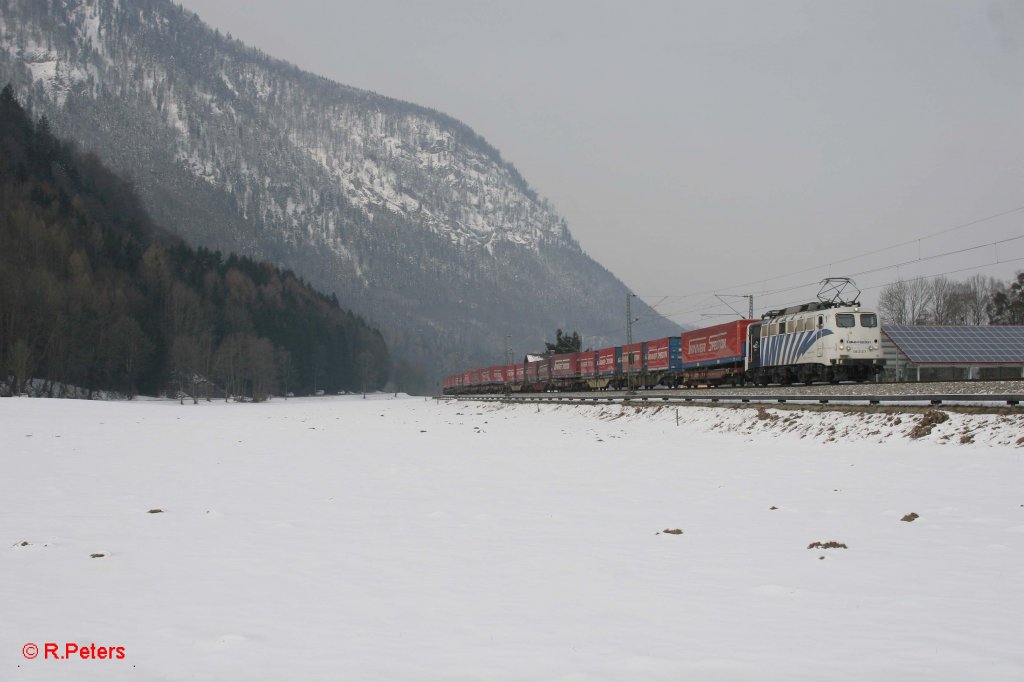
x=94, y=295
x=406, y=214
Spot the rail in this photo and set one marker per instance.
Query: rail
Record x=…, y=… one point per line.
x=1011, y=399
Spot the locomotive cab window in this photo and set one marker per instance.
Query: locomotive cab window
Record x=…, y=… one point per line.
x=868, y=320
x=782, y=327
x=845, y=320
x=821, y=321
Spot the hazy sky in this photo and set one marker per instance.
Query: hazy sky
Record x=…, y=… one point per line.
x=713, y=146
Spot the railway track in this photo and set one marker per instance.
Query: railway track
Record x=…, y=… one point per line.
x=987, y=393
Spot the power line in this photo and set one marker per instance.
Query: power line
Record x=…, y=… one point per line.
x=920, y=259
x=915, y=240
x=914, y=279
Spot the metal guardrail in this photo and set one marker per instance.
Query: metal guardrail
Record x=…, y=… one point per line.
x=1013, y=399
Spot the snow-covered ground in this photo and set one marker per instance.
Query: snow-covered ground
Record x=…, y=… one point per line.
x=380, y=539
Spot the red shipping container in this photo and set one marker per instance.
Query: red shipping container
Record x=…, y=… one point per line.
x=632, y=358
x=497, y=375
x=588, y=364
x=544, y=370
x=714, y=344
x=608, y=362
x=520, y=374
x=657, y=355
x=565, y=365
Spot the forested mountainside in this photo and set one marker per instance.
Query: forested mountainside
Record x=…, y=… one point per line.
x=94, y=295
x=404, y=213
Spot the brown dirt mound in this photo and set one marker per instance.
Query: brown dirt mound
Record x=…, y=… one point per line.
x=928, y=421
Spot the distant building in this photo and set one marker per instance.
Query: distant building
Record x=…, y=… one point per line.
x=924, y=353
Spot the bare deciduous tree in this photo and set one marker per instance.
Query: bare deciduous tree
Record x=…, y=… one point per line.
x=919, y=298
x=979, y=293
x=906, y=302
x=892, y=302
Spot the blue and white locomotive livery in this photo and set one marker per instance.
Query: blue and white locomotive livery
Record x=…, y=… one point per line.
x=814, y=342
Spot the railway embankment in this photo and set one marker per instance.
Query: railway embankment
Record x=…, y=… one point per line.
x=975, y=426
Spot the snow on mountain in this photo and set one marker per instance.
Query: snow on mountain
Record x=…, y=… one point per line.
x=407, y=214
x=351, y=539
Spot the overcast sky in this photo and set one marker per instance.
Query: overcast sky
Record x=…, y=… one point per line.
x=715, y=146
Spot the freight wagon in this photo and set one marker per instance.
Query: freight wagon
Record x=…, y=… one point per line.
x=663, y=361
x=609, y=367
x=715, y=355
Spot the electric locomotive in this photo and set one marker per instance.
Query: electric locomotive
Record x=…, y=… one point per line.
x=814, y=342
x=831, y=339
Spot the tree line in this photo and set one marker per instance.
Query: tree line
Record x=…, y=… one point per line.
x=978, y=300
x=93, y=294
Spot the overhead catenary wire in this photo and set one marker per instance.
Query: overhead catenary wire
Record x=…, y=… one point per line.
x=764, y=280
x=920, y=259
x=879, y=286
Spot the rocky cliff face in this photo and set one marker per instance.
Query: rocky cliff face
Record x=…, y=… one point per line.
x=406, y=214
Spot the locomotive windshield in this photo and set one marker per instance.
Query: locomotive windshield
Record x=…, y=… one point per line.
x=845, y=320
x=868, y=320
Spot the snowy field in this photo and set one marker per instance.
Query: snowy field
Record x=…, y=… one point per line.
x=402, y=539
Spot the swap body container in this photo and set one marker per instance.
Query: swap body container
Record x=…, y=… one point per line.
x=665, y=355
x=472, y=377
x=510, y=373
x=723, y=343
x=520, y=373
x=588, y=364
x=632, y=360
x=544, y=369
x=608, y=361
x=538, y=370
x=565, y=365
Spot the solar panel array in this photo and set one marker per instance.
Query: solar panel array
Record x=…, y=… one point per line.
x=959, y=345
